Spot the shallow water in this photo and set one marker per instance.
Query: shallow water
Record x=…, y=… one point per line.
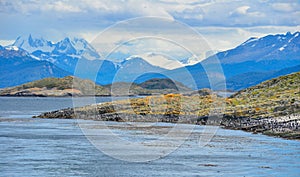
x=55, y=147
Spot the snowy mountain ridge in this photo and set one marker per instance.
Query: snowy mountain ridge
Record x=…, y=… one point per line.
x=74, y=48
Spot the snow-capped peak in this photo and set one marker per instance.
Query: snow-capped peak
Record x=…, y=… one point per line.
x=85, y=49
x=79, y=44
x=64, y=47
x=132, y=57
x=75, y=48
x=12, y=48
x=294, y=36
x=252, y=39
x=158, y=60
x=32, y=44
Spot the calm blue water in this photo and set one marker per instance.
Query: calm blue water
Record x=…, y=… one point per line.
x=53, y=147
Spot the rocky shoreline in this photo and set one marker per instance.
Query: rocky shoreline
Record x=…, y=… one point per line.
x=285, y=127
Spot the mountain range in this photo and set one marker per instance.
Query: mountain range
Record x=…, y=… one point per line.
x=17, y=66
x=252, y=62
x=67, y=54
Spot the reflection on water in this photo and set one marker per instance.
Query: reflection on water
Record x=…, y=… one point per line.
x=53, y=147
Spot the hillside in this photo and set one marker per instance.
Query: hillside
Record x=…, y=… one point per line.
x=272, y=98
x=67, y=86
x=157, y=84
x=73, y=86
x=152, y=86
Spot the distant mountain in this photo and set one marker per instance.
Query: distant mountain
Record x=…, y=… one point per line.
x=267, y=57
x=75, y=56
x=30, y=44
x=255, y=60
x=192, y=76
x=272, y=52
x=159, y=61
x=248, y=79
x=271, y=47
x=132, y=68
x=75, y=48
x=17, y=67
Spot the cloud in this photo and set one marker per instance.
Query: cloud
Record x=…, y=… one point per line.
x=244, y=11
x=224, y=24
x=240, y=11
x=60, y=6
x=144, y=35
x=191, y=14
x=194, y=13
x=284, y=7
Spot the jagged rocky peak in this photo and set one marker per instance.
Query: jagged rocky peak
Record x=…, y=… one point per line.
x=74, y=47
x=65, y=46
x=32, y=44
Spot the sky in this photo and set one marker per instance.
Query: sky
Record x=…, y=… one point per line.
x=222, y=24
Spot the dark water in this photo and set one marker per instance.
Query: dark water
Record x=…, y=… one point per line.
x=53, y=147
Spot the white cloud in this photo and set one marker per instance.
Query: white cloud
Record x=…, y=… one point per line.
x=241, y=10
x=61, y=6
x=223, y=23
x=284, y=7
x=129, y=43
x=195, y=13
x=245, y=11
x=192, y=13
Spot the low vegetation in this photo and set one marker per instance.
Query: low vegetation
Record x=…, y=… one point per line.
x=73, y=86
x=272, y=107
x=272, y=98
x=66, y=86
